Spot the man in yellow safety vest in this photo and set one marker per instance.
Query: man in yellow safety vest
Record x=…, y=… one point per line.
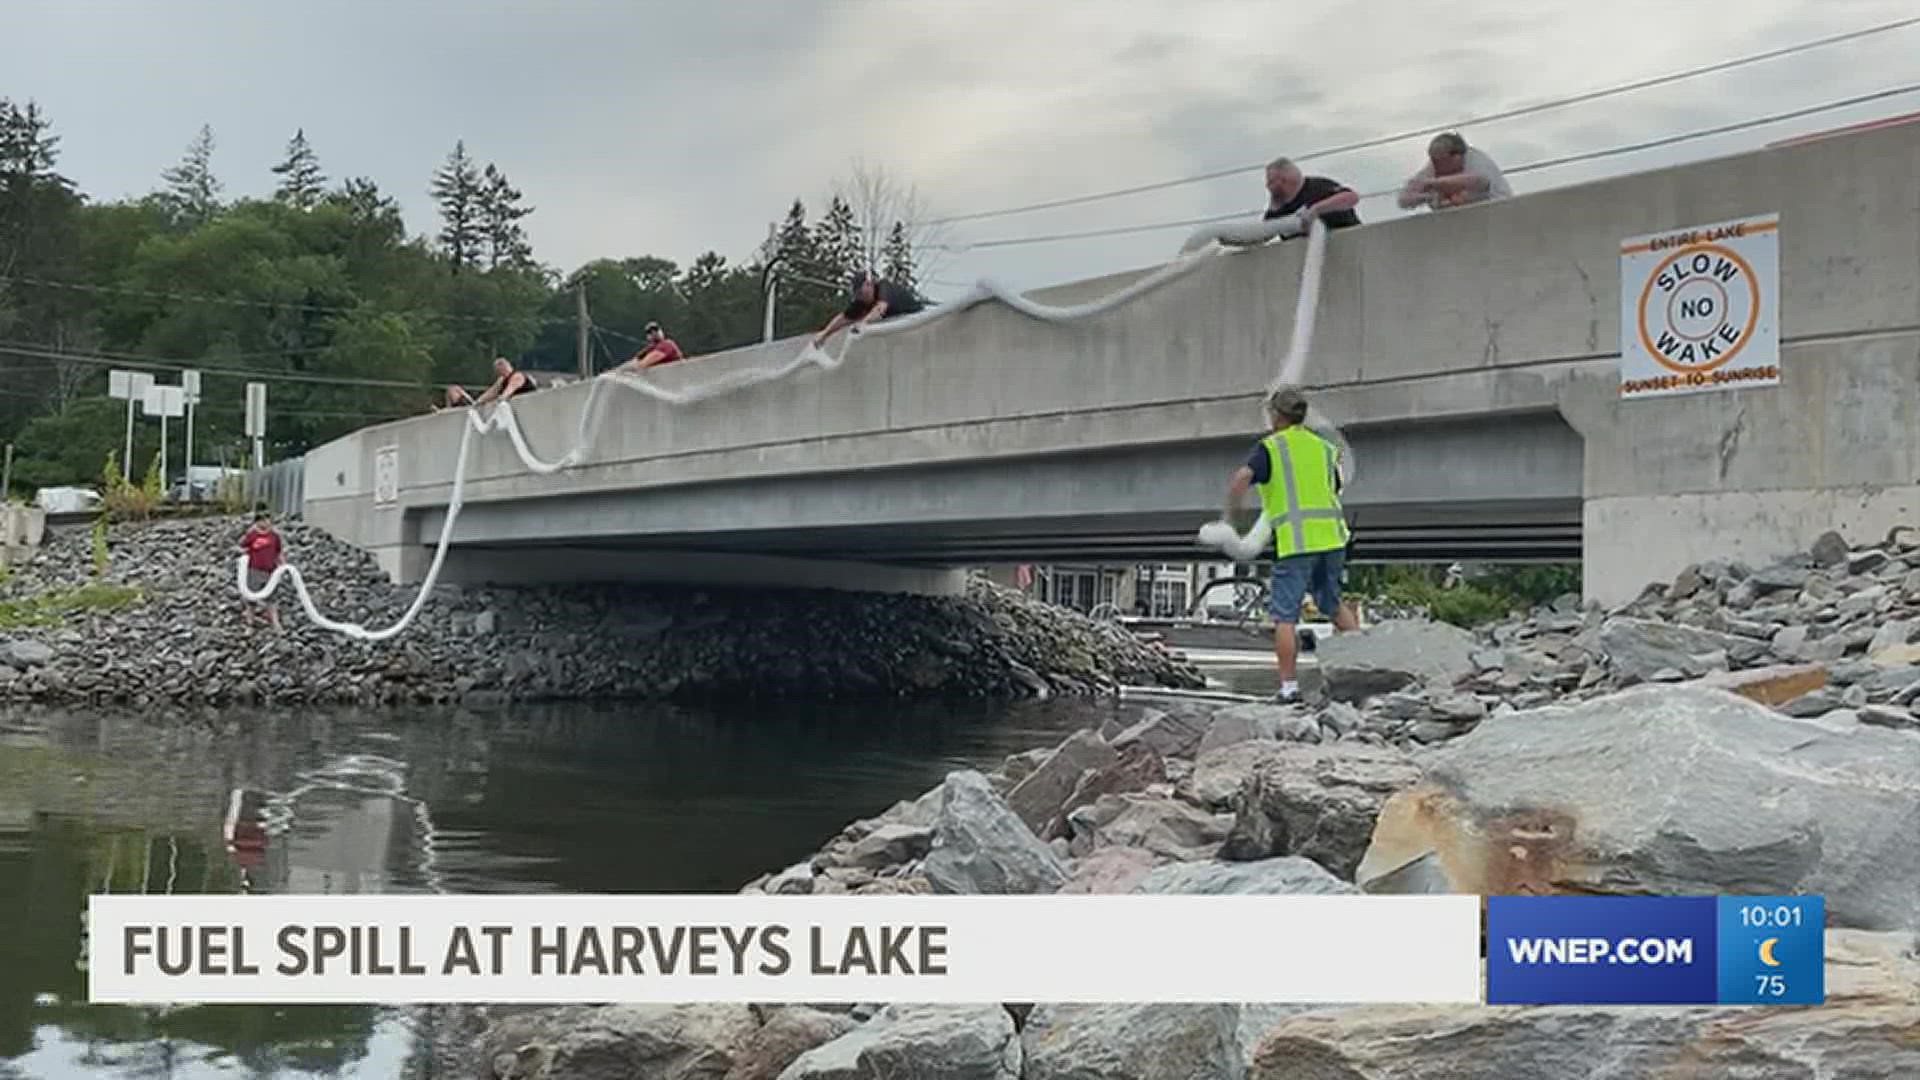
x=1298, y=475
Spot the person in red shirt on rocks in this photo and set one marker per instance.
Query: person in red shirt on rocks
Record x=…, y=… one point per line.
x=660, y=350
x=262, y=545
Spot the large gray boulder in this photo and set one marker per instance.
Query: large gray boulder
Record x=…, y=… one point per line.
x=889, y=845
x=1864, y=1030
x=1170, y=733
x=1244, y=723
x=1664, y=790
x=1219, y=774
x=1038, y=797
x=1135, y=768
x=924, y=810
x=919, y=1042
x=789, y=1032
x=620, y=1042
x=1639, y=649
x=27, y=654
x=1133, y=1042
x=1111, y=870
x=981, y=846
x=1163, y=826
x=1390, y=655
x=1284, y=876
x=1317, y=801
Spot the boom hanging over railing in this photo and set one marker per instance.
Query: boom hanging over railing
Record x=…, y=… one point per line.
x=1200, y=247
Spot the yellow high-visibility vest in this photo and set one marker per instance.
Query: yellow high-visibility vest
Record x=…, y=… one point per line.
x=1299, y=496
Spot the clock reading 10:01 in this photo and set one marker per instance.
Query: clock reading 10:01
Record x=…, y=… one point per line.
x=1772, y=916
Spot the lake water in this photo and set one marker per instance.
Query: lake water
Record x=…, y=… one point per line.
x=564, y=799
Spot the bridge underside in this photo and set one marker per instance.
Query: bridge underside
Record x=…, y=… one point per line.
x=1505, y=487
x=1511, y=532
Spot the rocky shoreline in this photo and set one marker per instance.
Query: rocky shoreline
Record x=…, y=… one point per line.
x=1738, y=730
x=164, y=625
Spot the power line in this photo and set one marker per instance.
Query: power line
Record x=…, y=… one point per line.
x=1383, y=140
x=205, y=407
x=617, y=333
x=40, y=352
x=277, y=305
x=1592, y=155
x=271, y=354
x=600, y=343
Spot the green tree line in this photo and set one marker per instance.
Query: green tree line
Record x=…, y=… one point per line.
x=321, y=291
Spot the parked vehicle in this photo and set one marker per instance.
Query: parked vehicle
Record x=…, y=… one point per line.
x=67, y=500
x=201, y=483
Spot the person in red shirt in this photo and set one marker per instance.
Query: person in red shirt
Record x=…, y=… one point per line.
x=262, y=545
x=660, y=350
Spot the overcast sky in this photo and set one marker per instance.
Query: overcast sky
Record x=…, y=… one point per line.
x=668, y=127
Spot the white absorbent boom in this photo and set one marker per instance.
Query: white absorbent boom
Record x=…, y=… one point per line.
x=1201, y=246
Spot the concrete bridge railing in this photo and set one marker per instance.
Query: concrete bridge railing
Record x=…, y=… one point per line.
x=1469, y=353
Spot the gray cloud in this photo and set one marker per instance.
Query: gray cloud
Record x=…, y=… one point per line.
x=674, y=126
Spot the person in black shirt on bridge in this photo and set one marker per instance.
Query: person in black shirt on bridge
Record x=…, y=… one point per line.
x=1291, y=192
x=870, y=299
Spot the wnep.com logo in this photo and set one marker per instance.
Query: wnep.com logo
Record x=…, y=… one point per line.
x=1651, y=950
x=1599, y=950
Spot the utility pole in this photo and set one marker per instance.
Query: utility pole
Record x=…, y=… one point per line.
x=256, y=426
x=190, y=389
x=580, y=313
x=6, y=475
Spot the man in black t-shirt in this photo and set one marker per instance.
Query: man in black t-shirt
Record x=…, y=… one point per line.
x=1307, y=197
x=870, y=299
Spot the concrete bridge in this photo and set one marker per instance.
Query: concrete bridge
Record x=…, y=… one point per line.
x=1470, y=356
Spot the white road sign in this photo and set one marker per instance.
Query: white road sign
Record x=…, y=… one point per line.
x=1700, y=308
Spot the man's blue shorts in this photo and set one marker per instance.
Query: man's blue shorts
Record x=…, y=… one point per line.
x=1295, y=576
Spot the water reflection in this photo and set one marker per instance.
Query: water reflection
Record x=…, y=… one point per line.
x=561, y=799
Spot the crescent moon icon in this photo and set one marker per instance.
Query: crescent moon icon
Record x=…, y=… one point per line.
x=1766, y=952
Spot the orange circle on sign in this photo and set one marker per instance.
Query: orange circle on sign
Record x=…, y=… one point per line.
x=1753, y=309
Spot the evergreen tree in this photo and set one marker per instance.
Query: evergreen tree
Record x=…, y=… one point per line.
x=301, y=181
x=457, y=188
x=724, y=305
x=39, y=212
x=837, y=243
x=364, y=202
x=28, y=148
x=795, y=240
x=500, y=212
x=801, y=301
x=193, y=192
x=898, y=256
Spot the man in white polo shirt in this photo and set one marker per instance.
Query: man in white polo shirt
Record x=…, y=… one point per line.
x=1455, y=175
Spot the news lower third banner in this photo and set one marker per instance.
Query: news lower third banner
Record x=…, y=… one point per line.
x=1656, y=950
x=944, y=949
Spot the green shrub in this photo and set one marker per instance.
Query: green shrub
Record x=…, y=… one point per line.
x=155, y=484
x=100, y=544
x=52, y=608
x=1532, y=583
x=231, y=495
x=125, y=501
x=1468, y=604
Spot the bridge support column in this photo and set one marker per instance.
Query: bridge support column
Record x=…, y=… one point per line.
x=1751, y=475
x=1630, y=542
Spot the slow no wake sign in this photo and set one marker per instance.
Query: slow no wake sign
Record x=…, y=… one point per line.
x=1700, y=308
